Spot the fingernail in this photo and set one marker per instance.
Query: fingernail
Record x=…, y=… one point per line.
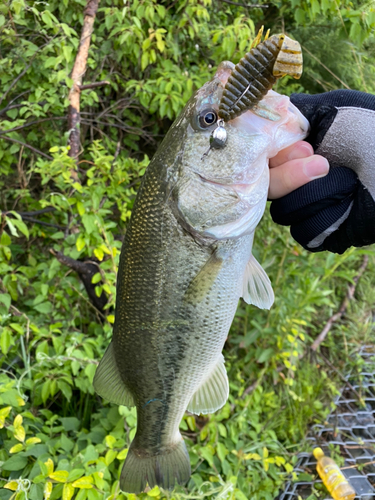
x=315, y=167
x=301, y=151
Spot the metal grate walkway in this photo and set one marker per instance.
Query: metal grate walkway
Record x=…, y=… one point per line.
x=351, y=427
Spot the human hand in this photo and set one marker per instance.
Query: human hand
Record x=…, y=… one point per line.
x=293, y=167
x=336, y=211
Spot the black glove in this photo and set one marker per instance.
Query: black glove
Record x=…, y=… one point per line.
x=336, y=211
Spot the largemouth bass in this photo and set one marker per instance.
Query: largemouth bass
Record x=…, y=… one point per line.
x=186, y=261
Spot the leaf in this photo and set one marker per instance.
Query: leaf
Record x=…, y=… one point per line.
x=67, y=445
x=49, y=466
x=239, y=495
x=144, y=62
x=93, y=495
x=252, y=456
x=5, y=299
x=300, y=16
x=155, y=492
x=13, y=485
x=207, y=455
x=46, y=390
x=18, y=421
x=99, y=254
x=80, y=243
x=75, y=474
x=68, y=491
x=222, y=452
x=266, y=355
x=82, y=495
x=33, y=440
x=16, y=448
x=5, y=340
x=47, y=490
x=88, y=220
x=110, y=456
x=85, y=482
x=90, y=372
x=22, y=227
x=110, y=441
x=4, y=412
x=70, y=423
x=122, y=454
x=44, y=307
x=15, y=463
x=60, y=475
x=65, y=389
x=137, y=22
x=80, y=208
x=20, y=433
x=46, y=16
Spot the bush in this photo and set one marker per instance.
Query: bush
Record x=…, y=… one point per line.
x=57, y=438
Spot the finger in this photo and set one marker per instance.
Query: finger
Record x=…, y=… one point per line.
x=295, y=173
x=300, y=149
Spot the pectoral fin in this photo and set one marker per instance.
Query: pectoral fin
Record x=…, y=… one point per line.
x=203, y=281
x=257, y=288
x=213, y=393
x=108, y=382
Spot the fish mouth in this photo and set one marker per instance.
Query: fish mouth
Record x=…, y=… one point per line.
x=221, y=181
x=242, y=190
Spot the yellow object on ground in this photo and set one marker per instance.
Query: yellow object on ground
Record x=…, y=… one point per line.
x=332, y=477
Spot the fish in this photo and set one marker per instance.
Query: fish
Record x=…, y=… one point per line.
x=186, y=261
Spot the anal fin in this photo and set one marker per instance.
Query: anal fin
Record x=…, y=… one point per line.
x=213, y=392
x=257, y=288
x=108, y=382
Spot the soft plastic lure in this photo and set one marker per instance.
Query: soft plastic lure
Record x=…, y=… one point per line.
x=257, y=72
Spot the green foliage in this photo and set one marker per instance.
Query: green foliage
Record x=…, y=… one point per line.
x=57, y=439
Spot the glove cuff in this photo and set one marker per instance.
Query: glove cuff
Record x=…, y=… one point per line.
x=359, y=227
x=331, y=213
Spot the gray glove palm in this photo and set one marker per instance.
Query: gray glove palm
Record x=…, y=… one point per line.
x=336, y=211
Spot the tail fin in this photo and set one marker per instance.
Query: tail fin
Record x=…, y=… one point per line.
x=163, y=470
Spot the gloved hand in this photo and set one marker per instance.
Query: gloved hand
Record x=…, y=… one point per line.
x=336, y=211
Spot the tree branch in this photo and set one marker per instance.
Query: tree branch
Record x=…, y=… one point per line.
x=9, y=106
x=79, y=70
x=86, y=270
x=25, y=125
x=41, y=222
x=93, y=85
x=251, y=6
x=37, y=212
x=6, y=138
x=349, y=295
x=325, y=67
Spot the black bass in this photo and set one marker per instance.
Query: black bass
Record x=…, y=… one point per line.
x=185, y=262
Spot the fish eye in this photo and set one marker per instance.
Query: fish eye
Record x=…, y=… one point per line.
x=207, y=118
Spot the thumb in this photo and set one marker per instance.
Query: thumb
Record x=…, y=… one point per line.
x=295, y=173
